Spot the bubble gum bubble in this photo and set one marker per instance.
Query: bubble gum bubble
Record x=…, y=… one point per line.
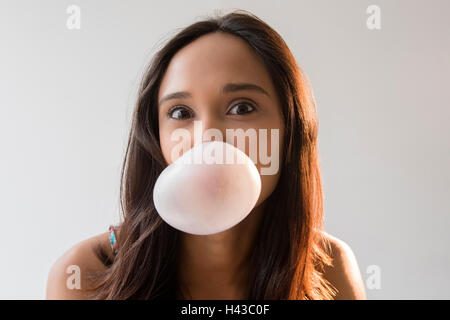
x=207, y=197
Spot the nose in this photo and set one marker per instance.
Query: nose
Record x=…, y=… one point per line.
x=213, y=127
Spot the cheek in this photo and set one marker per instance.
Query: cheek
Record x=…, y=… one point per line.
x=271, y=175
x=166, y=147
x=173, y=149
x=268, y=185
x=166, y=143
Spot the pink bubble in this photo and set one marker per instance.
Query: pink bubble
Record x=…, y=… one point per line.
x=207, y=198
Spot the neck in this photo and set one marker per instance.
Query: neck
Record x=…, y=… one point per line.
x=218, y=265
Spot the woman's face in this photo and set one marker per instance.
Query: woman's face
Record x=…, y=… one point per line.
x=202, y=70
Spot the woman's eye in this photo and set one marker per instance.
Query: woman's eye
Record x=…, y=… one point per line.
x=179, y=113
x=241, y=108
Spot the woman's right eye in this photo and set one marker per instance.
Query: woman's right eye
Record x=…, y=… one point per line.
x=179, y=113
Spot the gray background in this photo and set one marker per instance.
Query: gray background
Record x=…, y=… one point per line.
x=66, y=98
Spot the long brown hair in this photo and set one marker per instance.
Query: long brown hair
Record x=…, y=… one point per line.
x=290, y=250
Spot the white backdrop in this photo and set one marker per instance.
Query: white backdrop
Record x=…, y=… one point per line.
x=66, y=98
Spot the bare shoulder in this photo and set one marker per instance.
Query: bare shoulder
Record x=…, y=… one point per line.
x=77, y=261
x=344, y=275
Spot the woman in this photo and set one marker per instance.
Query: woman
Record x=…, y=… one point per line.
x=232, y=72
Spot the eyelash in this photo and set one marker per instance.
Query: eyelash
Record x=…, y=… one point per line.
x=177, y=107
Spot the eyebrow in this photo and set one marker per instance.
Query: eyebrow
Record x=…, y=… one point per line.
x=229, y=87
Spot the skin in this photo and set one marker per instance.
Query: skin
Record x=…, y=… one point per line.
x=202, y=68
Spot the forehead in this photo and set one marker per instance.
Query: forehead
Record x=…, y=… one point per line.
x=211, y=61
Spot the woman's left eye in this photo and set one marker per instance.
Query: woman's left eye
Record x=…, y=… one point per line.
x=242, y=108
